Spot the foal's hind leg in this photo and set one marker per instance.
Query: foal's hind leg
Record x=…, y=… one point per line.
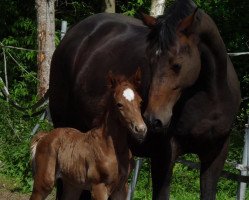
x=211, y=169
x=42, y=187
x=44, y=177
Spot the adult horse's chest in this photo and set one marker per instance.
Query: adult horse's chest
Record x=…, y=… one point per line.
x=203, y=117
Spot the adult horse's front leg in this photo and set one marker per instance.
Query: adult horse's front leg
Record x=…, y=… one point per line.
x=162, y=163
x=211, y=166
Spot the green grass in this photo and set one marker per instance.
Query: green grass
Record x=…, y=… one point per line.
x=185, y=183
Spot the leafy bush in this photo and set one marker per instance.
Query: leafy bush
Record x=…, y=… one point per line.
x=15, y=143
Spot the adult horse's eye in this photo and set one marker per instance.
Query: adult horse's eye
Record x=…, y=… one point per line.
x=119, y=105
x=176, y=67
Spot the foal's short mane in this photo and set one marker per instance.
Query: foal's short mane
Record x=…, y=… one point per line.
x=106, y=103
x=163, y=34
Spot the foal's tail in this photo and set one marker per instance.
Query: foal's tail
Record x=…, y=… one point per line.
x=35, y=140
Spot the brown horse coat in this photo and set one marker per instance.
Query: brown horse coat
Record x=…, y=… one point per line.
x=99, y=160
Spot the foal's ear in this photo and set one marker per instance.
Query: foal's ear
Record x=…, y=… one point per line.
x=111, y=81
x=136, y=79
x=148, y=20
x=185, y=25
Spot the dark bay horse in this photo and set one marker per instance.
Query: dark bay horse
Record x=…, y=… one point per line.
x=99, y=160
x=189, y=88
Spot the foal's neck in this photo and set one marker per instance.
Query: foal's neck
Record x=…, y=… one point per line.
x=114, y=131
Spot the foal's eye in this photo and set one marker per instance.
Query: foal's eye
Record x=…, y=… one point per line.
x=119, y=105
x=176, y=67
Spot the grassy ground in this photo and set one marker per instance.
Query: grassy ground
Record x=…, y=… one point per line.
x=9, y=190
x=185, y=186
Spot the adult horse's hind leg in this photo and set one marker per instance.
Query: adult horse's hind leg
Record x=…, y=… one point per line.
x=162, y=163
x=211, y=169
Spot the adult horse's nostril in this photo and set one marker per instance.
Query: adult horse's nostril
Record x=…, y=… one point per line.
x=157, y=124
x=148, y=118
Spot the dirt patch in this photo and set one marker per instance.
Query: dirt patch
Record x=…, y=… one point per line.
x=5, y=194
x=8, y=194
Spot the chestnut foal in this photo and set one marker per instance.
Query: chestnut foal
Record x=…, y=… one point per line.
x=99, y=160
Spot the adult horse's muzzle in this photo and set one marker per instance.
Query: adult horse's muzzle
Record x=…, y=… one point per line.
x=156, y=124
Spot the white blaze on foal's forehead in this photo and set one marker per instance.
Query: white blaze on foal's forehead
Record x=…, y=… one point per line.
x=128, y=94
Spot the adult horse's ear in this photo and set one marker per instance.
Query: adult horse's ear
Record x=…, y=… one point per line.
x=148, y=20
x=111, y=80
x=185, y=25
x=137, y=78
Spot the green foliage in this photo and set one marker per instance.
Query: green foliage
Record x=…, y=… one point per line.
x=15, y=144
x=134, y=7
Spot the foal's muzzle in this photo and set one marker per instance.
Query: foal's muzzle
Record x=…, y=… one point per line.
x=139, y=131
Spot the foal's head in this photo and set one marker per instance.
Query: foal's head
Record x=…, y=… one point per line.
x=127, y=103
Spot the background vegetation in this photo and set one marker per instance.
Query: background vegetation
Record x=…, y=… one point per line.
x=18, y=28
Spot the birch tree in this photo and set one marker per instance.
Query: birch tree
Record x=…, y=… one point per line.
x=109, y=6
x=45, y=39
x=157, y=7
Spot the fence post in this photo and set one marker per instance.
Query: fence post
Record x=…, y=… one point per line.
x=63, y=28
x=245, y=162
x=133, y=183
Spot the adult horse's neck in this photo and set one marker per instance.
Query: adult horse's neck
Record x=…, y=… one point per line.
x=210, y=38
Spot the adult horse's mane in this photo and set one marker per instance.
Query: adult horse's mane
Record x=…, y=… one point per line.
x=163, y=34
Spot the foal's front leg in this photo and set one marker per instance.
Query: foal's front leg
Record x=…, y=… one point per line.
x=99, y=192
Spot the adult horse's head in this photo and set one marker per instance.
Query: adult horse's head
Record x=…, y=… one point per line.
x=175, y=62
x=128, y=102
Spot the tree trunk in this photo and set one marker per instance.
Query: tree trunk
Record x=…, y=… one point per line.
x=45, y=39
x=109, y=6
x=157, y=7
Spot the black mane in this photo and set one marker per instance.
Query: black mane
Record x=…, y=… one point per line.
x=163, y=34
